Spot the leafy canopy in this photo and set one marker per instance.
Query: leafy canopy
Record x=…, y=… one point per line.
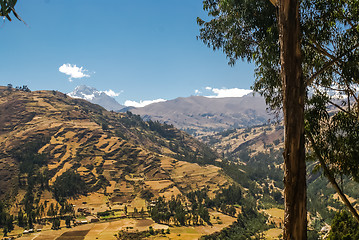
x=247, y=30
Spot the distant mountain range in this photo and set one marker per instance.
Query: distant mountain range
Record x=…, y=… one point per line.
x=202, y=115
x=97, y=97
x=197, y=115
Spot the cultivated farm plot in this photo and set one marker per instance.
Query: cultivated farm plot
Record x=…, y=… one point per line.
x=92, y=231
x=173, y=191
x=194, y=176
x=137, y=203
x=106, y=230
x=96, y=202
x=273, y=233
x=276, y=215
x=158, y=185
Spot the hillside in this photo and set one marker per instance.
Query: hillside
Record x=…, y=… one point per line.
x=258, y=152
x=45, y=134
x=59, y=150
x=203, y=116
x=65, y=158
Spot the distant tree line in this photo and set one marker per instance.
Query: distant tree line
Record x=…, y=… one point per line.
x=178, y=212
x=6, y=220
x=24, y=88
x=196, y=212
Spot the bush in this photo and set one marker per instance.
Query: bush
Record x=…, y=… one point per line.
x=344, y=227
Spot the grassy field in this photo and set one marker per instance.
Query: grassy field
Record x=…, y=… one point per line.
x=107, y=229
x=273, y=233
x=276, y=216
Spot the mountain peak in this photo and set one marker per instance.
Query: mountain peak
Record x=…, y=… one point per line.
x=93, y=95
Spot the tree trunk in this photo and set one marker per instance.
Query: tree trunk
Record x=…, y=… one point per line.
x=295, y=219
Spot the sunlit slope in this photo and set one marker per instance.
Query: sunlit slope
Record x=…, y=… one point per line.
x=116, y=154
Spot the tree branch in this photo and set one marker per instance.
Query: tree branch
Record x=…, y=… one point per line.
x=328, y=65
x=320, y=49
x=331, y=179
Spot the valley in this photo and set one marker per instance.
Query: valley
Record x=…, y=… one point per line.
x=67, y=161
x=76, y=171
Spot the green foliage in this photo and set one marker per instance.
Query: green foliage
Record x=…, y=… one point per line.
x=166, y=135
x=320, y=196
x=164, y=130
x=21, y=221
x=6, y=220
x=258, y=168
x=246, y=30
x=8, y=6
x=105, y=213
x=28, y=157
x=102, y=182
x=3, y=214
x=344, y=227
x=338, y=141
x=175, y=210
x=147, y=195
x=69, y=184
x=68, y=221
x=104, y=126
x=248, y=224
x=226, y=198
x=55, y=224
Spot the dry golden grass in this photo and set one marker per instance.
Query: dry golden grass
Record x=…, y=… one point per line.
x=273, y=233
x=110, y=189
x=96, y=202
x=137, y=203
x=66, y=167
x=173, y=191
x=275, y=215
x=191, y=175
x=158, y=185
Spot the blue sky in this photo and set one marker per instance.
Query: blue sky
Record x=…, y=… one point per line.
x=144, y=50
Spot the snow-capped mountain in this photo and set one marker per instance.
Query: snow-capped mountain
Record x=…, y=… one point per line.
x=95, y=96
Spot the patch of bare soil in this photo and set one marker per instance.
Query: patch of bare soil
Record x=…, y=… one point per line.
x=144, y=223
x=73, y=235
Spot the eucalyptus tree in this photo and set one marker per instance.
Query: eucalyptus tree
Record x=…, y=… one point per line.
x=297, y=46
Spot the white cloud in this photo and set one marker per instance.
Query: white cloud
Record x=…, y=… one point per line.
x=197, y=92
x=112, y=93
x=73, y=71
x=130, y=103
x=225, y=93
